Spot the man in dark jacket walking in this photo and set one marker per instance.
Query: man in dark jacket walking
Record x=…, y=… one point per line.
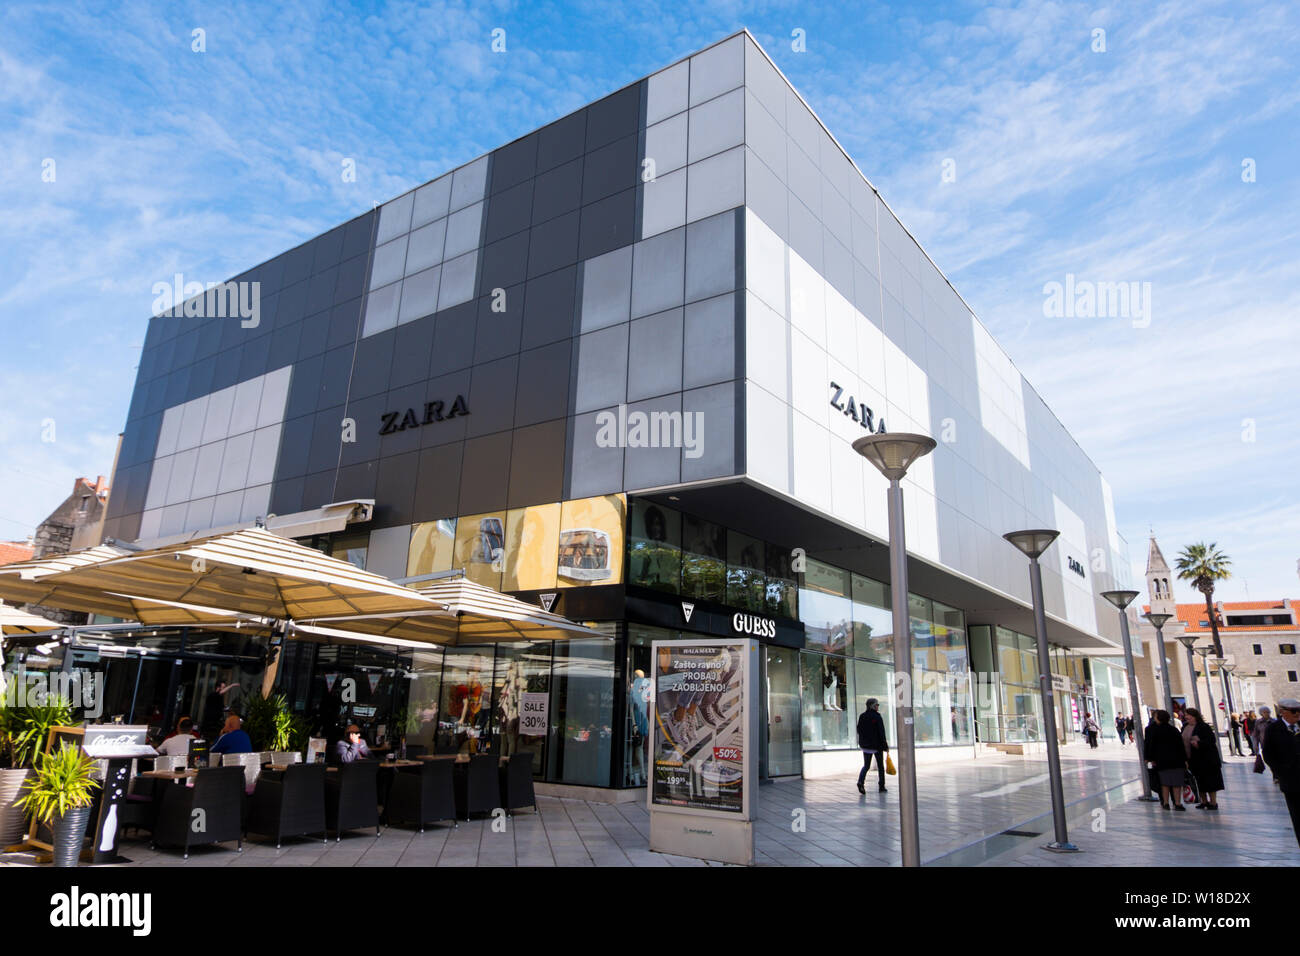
x=872, y=742
x=1282, y=754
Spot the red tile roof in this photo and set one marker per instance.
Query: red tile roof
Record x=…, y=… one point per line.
x=1192, y=614
x=14, y=551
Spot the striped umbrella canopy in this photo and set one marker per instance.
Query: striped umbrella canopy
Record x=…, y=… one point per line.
x=466, y=613
x=35, y=582
x=16, y=621
x=252, y=572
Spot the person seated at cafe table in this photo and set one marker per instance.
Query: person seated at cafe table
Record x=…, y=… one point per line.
x=178, y=744
x=353, y=748
x=233, y=739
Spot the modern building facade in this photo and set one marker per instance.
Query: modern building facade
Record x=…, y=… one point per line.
x=615, y=367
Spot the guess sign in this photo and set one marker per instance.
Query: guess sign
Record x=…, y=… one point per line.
x=858, y=411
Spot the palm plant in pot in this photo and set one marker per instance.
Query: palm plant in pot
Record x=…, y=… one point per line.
x=23, y=734
x=61, y=796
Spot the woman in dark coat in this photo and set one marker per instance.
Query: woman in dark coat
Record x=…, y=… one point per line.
x=1166, y=753
x=1203, y=759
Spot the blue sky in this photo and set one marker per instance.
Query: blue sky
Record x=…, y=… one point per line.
x=1122, y=165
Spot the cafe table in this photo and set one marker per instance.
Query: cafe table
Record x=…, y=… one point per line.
x=176, y=776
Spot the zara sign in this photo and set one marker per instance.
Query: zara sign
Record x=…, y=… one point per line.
x=858, y=411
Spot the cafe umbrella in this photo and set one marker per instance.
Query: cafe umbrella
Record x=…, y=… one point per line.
x=465, y=613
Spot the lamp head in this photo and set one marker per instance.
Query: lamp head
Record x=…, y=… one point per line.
x=1188, y=641
x=1157, y=619
x=1032, y=543
x=1121, y=599
x=1229, y=668
x=893, y=453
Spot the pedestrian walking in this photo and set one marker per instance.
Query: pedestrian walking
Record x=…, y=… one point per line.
x=1203, y=759
x=1261, y=725
x=1128, y=722
x=1248, y=725
x=1281, y=752
x=1121, y=728
x=1167, y=756
x=1091, y=728
x=1235, y=725
x=872, y=742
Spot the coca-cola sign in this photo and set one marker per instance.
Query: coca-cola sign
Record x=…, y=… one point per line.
x=107, y=739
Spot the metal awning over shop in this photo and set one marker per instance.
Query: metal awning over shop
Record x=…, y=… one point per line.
x=301, y=524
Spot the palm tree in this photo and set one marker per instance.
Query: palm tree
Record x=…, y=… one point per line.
x=1204, y=564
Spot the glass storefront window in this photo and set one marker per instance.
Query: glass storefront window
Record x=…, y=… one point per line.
x=873, y=680
x=825, y=691
x=418, y=720
x=582, y=712
x=465, y=700
x=655, y=548
x=704, y=565
x=636, y=724
x=746, y=584
x=522, y=675
x=782, y=587
x=941, y=708
x=825, y=608
x=873, y=620
x=784, y=740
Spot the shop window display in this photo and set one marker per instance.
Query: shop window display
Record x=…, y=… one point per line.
x=825, y=692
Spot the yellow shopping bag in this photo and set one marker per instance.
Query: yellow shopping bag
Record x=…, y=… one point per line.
x=889, y=765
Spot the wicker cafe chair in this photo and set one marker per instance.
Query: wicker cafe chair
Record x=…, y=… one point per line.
x=291, y=803
x=517, y=783
x=478, y=789
x=218, y=792
x=352, y=797
x=423, y=795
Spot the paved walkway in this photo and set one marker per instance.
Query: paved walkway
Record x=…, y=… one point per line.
x=1252, y=828
x=965, y=809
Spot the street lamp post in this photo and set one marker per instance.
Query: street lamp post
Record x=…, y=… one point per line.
x=1157, y=621
x=1187, y=640
x=1033, y=544
x=1121, y=600
x=892, y=454
x=1209, y=687
x=1225, y=670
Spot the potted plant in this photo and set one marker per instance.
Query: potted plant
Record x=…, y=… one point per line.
x=23, y=734
x=273, y=727
x=61, y=795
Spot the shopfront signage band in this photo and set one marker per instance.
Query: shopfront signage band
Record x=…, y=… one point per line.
x=753, y=625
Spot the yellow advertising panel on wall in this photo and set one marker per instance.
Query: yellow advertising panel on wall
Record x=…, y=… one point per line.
x=432, y=545
x=481, y=547
x=591, y=541
x=532, y=542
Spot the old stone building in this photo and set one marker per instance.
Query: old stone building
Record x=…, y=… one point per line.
x=75, y=524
